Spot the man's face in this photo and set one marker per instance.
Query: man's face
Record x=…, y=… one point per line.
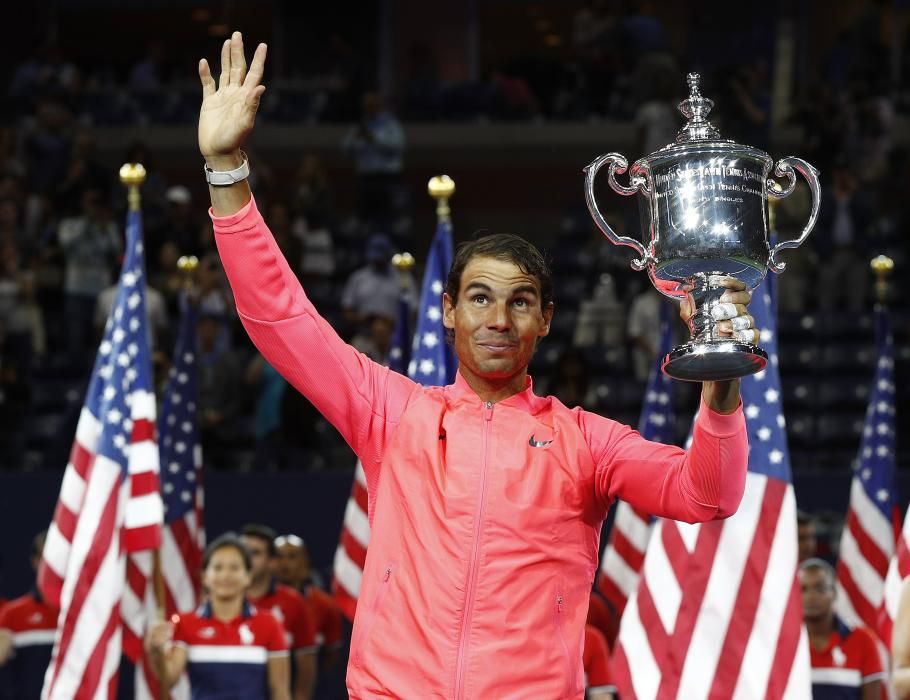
x=259, y=557
x=290, y=564
x=818, y=593
x=808, y=544
x=498, y=318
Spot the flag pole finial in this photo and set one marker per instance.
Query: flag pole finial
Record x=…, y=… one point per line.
x=882, y=266
x=441, y=188
x=132, y=175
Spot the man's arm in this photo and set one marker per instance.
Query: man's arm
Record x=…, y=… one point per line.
x=872, y=690
x=363, y=400
x=278, y=670
x=6, y=646
x=900, y=646
x=305, y=681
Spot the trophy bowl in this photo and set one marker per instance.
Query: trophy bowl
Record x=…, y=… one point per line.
x=704, y=216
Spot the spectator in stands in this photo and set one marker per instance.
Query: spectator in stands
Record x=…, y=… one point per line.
x=46, y=146
x=220, y=401
x=657, y=120
x=179, y=225
x=84, y=172
x=19, y=309
x=643, y=327
x=27, y=628
x=808, y=537
x=569, y=380
x=269, y=389
x=603, y=616
x=285, y=603
x=312, y=197
x=228, y=647
x=843, y=223
x=377, y=144
x=596, y=662
x=155, y=312
x=374, y=339
x=375, y=288
x=291, y=245
x=292, y=568
x=845, y=662
x=91, y=244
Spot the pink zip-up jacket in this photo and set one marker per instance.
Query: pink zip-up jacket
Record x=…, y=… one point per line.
x=485, y=518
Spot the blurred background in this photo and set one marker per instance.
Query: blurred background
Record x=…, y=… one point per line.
x=511, y=98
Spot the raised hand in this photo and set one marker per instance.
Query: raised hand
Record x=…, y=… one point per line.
x=228, y=111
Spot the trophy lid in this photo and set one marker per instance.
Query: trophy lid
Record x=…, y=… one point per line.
x=696, y=109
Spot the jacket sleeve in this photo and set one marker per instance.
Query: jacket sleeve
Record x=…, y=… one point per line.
x=362, y=399
x=705, y=482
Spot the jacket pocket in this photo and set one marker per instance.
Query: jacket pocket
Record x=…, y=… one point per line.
x=370, y=619
x=560, y=617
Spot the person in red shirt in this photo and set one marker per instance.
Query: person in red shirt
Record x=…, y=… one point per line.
x=602, y=616
x=596, y=660
x=228, y=647
x=286, y=604
x=27, y=628
x=845, y=663
x=292, y=568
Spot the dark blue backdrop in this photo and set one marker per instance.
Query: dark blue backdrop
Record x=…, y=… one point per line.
x=308, y=504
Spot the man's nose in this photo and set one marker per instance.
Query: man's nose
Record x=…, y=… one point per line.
x=499, y=317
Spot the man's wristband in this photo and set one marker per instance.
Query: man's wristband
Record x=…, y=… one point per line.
x=224, y=178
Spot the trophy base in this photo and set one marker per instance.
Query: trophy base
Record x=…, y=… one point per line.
x=714, y=361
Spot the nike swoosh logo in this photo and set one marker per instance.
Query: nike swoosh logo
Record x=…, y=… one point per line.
x=538, y=443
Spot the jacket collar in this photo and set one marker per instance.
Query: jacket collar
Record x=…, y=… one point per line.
x=525, y=400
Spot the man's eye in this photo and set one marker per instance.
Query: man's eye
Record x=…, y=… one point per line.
x=479, y=298
x=522, y=303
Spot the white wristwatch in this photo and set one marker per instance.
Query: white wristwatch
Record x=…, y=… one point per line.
x=223, y=178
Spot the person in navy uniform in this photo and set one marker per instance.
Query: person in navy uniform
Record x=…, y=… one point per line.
x=227, y=646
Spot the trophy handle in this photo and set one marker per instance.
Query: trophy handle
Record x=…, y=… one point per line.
x=618, y=165
x=784, y=168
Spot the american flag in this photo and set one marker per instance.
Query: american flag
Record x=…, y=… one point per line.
x=625, y=551
x=432, y=362
x=718, y=610
x=109, y=504
x=183, y=535
x=870, y=534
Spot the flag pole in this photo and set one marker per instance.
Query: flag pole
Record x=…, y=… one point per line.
x=882, y=266
x=132, y=175
x=441, y=188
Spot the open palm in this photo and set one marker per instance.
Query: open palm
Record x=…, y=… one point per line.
x=228, y=111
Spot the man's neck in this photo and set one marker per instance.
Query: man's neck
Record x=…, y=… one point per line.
x=820, y=630
x=259, y=588
x=495, y=390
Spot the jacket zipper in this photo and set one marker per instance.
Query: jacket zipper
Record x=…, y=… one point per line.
x=471, y=587
x=562, y=638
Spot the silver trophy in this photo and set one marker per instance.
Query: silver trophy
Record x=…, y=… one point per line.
x=704, y=214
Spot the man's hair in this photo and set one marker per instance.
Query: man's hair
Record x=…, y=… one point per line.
x=228, y=539
x=261, y=532
x=38, y=543
x=816, y=564
x=501, y=246
x=804, y=518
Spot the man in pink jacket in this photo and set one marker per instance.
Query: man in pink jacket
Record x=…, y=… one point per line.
x=485, y=500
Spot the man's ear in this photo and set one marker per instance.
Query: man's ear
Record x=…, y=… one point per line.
x=547, y=319
x=448, y=312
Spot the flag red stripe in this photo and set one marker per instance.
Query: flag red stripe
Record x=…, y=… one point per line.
x=143, y=429
x=613, y=594
x=132, y=645
x=356, y=551
x=66, y=521
x=189, y=550
x=658, y=637
x=101, y=541
x=346, y=602
x=361, y=496
x=677, y=553
x=136, y=539
x=632, y=555
x=620, y=672
x=81, y=458
x=747, y=598
x=143, y=483
x=92, y=676
x=695, y=580
x=867, y=546
x=860, y=603
x=787, y=643
x=50, y=584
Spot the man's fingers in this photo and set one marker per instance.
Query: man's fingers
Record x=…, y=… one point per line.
x=225, y=77
x=252, y=99
x=728, y=282
x=257, y=66
x=238, y=62
x=205, y=76
x=721, y=312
